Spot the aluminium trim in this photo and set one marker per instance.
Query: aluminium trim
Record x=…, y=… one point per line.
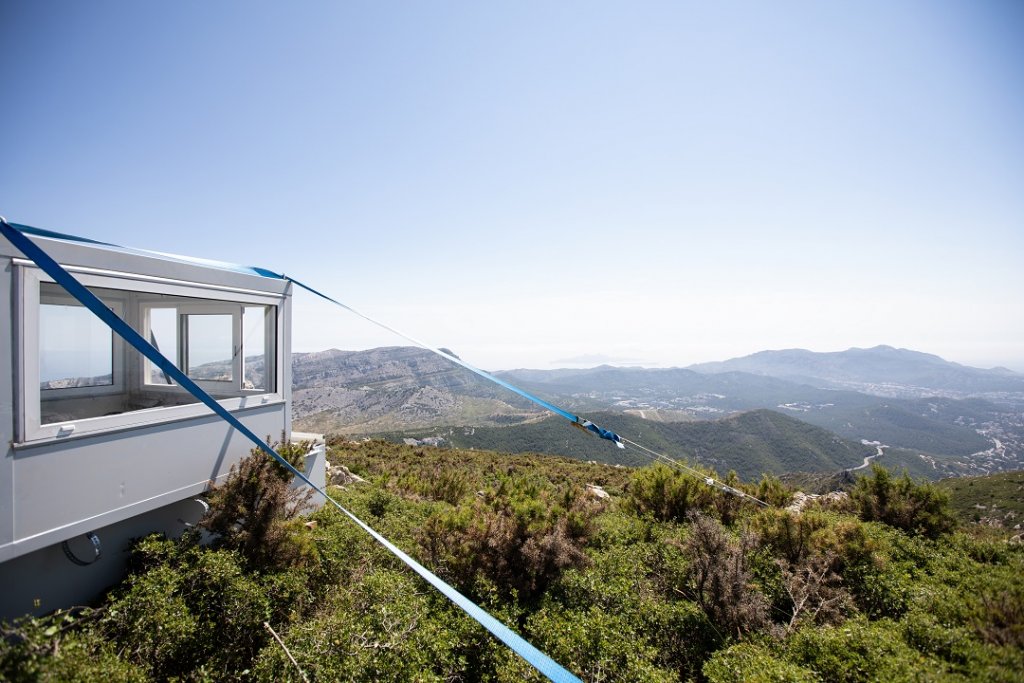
x=155, y=278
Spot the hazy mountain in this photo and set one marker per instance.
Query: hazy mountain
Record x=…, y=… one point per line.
x=883, y=370
x=402, y=389
x=929, y=425
x=394, y=387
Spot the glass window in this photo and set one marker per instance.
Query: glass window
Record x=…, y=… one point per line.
x=76, y=369
x=76, y=349
x=163, y=334
x=257, y=330
x=210, y=346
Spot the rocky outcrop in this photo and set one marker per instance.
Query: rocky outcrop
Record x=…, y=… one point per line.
x=802, y=500
x=339, y=475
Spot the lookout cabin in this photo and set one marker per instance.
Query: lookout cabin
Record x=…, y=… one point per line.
x=100, y=446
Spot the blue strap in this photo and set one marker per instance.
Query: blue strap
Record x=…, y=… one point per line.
x=578, y=421
x=222, y=265
x=540, y=661
x=587, y=425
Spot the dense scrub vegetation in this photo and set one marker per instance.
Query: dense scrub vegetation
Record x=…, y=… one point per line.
x=663, y=579
x=996, y=501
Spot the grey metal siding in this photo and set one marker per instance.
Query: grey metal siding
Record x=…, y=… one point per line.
x=62, y=489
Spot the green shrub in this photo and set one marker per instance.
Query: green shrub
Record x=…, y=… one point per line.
x=956, y=646
x=64, y=647
x=595, y=644
x=631, y=582
x=771, y=490
x=380, y=502
x=153, y=625
x=680, y=632
x=519, y=535
x=253, y=511
x=881, y=592
x=197, y=609
x=751, y=663
x=859, y=652
x=439, y=484
x=385, y=627
x=667, y=494
x=900, y=502
x=789, y=534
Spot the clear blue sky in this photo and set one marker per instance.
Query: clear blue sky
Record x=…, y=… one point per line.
x=538, y=184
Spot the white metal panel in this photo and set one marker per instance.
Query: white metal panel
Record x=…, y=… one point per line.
x=65, y=488
x=55, y=489
x=8, y=407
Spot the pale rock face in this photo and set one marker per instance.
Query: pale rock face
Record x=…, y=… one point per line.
x=339, y=475
x=801, y=500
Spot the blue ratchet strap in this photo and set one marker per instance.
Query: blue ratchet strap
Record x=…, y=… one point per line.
x=576, y=420
x=540, y=661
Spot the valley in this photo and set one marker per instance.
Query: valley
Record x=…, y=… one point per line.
x=408, y=393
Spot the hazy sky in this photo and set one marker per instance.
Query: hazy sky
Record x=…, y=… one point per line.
x=540, y=183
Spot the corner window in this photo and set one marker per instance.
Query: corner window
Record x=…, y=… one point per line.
x=226, y=348
x=77, y=375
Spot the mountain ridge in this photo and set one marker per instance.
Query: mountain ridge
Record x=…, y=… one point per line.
x=405, y=389
x=865, y=368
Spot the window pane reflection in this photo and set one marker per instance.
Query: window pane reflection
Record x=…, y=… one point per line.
x=210, y=347
x=254, y=346
x=76, y=349
x=163, y=334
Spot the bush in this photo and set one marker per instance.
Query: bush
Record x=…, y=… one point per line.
x=253, y=511
x=519, y=535
x=152, y=622
x=438, y=484
x=630, y=582
x=789, y=534
x=721, y=579
x=383, y=628
x=595, y=644
x=771, y=490
x=196, y=609
x=860, y=652
x=58, y=648
x=668, y=495
x=751, y=663
x=920, y=509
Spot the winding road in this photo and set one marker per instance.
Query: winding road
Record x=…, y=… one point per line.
x=867, y=460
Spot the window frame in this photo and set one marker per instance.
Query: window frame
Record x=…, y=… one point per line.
x=138, y=293
x=184, y=310
x=117, y=368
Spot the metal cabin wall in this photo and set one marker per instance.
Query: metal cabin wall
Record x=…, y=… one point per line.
x=7, y=414
x=67, y=488
x=122, y=483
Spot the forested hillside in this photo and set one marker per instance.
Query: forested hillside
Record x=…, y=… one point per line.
x=750, y=443
x=619, y=574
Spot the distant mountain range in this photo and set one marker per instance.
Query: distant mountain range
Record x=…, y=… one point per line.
x=925, y=410
x=882, y=370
